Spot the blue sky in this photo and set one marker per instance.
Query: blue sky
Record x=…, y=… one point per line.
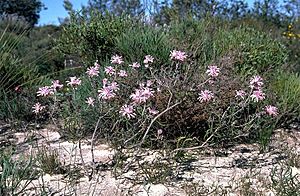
x=56, y=10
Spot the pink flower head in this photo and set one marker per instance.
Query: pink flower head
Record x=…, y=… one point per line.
x=147, y=92
x=56, y=85
x=257, y=95
x=116, y=59
x=122, y=73
x=45, y=91
x=152, y=111
x=148, y=59
x=93, y=71
x=271, y=110
x=135, y=65
x=37, y=108
x=90, y=101
x=141, y=95
x=127, y=111
x=137, y=96
x=74, y=81
x=178, y=55
x=205, y=96
x=106, y=93
x=256, y=82
x=240, y=94
x=213, y=71
x=110, y=70
x=113, y=86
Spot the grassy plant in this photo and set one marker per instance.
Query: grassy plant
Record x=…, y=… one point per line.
x=139, y=41
x=16, y=175
x=284, y=182
x=49, y=162
x=13, y=72
x=15, y=75
x=287, y=88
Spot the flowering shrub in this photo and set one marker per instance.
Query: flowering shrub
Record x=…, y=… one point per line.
x=127, y=106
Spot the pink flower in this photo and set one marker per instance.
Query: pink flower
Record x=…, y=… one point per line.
x=205, y=96
x=37, y=108
x=178, y=55
x=141, y=95
x=240, y=93
x=271, y=110
x=148, y=59
x=56, y=84
x=137, y=97
x=116, y=59
x=106, y=93
x=113, y=86
x=127, y=111
x=256, y=82
x=122, y=73
x=110, y=70
x=147, y=92
x=45, y=91
x=74, y=81
x=90, y=101
x=93, y=71
x=213, y=71
x=135, y=65
x=257, y=95
x=152, y=111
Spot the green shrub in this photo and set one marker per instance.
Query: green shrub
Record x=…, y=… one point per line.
x=87, y=40
x=256, y=50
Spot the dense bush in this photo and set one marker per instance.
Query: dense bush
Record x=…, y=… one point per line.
x=85, y=40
